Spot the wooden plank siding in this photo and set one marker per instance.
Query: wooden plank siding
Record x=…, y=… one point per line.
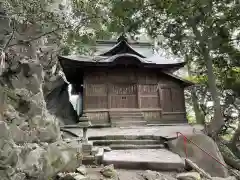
x=158, y=98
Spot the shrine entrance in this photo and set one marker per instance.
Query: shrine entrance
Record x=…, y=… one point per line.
x=123, y=95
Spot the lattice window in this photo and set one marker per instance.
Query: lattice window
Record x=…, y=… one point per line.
x=148, y=89
x=95, y=89
x=123, y=89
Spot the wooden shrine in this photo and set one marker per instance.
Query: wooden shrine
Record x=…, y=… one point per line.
x=121, y=87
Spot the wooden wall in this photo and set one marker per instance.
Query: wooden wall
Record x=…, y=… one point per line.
x=159, y=97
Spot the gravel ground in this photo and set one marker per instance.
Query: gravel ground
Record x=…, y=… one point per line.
x=94, y=174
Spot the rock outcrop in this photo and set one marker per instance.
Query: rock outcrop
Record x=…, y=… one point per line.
x=30, y=137
x=199, y=157
x=58, y=104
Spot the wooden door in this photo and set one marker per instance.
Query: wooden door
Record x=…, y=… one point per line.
x=123, y=95
x=95, y=96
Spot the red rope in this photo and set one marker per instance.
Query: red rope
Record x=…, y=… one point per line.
x=185, y=139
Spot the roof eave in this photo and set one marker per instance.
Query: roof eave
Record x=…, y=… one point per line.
x=185, y=82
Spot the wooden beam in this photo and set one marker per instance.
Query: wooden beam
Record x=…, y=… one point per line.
x=108, y=100
x=166, y=113
x=125, y=110
x=159, y=98
x=138, y=96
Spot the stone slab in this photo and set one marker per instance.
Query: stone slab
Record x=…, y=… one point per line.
x=124, y=141
x=154, y=159
x=163, y=131
x=132, y=146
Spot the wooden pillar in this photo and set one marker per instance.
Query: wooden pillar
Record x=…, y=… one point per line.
x=138, y=96
x=159, y=98
x=84, y=96
x=159, y=95
x=108, y=97
x=138, y=90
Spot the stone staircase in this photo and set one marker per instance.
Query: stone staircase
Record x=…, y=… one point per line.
x=137, y=152
x=128, y=142
x=127, y=118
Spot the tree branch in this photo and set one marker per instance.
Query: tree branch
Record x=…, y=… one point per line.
x=34, y=38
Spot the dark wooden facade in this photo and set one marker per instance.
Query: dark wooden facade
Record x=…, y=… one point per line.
x=123, y=85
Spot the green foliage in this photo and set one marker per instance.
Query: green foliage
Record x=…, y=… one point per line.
x=205, y=32
x=198, y=79
x=191, y=119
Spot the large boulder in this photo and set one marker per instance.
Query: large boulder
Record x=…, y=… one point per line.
x=34, y=160
x=198, y=156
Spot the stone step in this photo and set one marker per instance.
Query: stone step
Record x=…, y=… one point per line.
x=152, y=159
x=127, y=137
x=132, y=146
x=127, y=120
x=133, y=142
x=127, y=123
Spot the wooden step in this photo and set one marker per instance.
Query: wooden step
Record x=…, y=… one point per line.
x=126, y=123
x=127, y=113
x=127, y=118
x=120, y=119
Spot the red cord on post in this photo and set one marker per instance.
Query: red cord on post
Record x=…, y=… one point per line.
x=184, y=143
x=186, y=140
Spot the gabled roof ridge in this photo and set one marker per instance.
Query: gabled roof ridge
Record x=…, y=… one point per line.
x=130, y=42
x=114, y=50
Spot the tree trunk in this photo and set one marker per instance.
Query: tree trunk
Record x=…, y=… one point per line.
x=217, y=121
x=198, y=113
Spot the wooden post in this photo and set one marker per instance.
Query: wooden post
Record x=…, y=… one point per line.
x=108, y=102
x=159, y=98
x=138, y=97
x=159, y=94
x=138, y=90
